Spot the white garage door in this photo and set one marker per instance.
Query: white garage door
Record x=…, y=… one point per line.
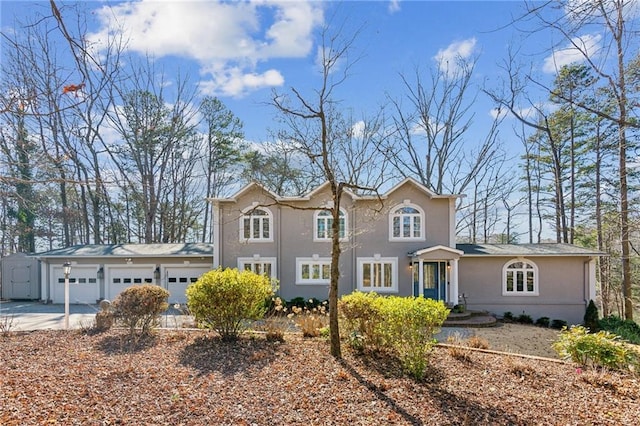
x=83, y=285
x=178, y=278
x=119, y=278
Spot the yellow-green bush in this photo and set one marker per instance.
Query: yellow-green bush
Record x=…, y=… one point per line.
x=140, y=307
x=404, y=325
x=224, y=300
x=601, y=349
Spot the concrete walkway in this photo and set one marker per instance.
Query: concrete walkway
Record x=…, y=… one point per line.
x=28, y=316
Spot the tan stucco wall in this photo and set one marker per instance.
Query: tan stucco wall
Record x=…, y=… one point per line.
x=563, y=291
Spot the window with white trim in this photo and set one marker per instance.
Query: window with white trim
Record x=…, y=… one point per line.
x=520, y=278
x=313, y=271
x=378, y=274
x=262, y=266
x=323, y=221
x=256, y=224
x=406, y=222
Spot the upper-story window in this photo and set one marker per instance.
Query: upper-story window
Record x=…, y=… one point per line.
x=520, y=278
x=323, y=222
x=406, y=222
x=256, y=224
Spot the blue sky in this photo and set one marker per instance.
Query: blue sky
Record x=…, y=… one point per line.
x=240, y=51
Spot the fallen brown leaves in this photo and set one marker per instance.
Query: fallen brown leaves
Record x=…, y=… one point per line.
x=183, y=377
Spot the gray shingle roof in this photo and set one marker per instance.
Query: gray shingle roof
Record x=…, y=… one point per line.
x=543, y=249
x=131, y=250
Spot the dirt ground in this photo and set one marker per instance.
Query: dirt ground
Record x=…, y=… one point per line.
x=518, y=338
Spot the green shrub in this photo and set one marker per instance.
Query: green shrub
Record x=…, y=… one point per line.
x=601, y=349
x=403, y=325
x=223, y=300
x=458, y=309
x=362, y=317
x=525, y=319
x=591, y=317
x=508, y=317
x=140, y=307
x=558, y=324
x=543, y=322
x=626, y=329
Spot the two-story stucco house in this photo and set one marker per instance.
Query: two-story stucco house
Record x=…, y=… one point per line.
x=401, y=243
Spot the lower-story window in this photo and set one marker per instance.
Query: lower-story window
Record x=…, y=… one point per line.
x=378, y=274
x=262, y=266
x=313, y=271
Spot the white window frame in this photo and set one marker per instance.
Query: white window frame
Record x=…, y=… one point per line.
x=247, y=214
x=327, y=221
x=376, y=260
x=393, y=214
x=256, y=260
x=506, y=269
x=311, y=262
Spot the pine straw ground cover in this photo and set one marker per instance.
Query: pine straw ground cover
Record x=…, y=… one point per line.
x=180, y=377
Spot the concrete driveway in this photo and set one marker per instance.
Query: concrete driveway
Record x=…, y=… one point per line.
x=28, y=315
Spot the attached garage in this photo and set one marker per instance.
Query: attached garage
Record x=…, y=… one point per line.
x=103, y=271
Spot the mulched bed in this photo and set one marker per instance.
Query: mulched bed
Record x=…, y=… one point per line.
x=181, y=377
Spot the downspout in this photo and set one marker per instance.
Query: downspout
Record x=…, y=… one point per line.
x=216, y=223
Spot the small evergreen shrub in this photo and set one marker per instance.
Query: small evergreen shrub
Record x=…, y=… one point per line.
x=508, y=317
x=543, y=322
x=601, y=349
x=558, y=324
x=525, y=319
x=626, y=329
x=591, y=317
x=298, y=302
x=225, y=300
x=458, y=309
x=139, y=307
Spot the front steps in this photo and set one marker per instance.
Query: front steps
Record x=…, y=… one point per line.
x=474, y=319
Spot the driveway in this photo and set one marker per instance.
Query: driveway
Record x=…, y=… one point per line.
x=29, y=315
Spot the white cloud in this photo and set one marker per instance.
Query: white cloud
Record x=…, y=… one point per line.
x=575, y=51
x=227, y=39
x=394, y=6
x=358, y=129
x=448, y=59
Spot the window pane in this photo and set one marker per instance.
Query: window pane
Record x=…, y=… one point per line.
x=509, y=280
x=247, y=228
x=265, y=228
x=406, y=226
x=530, y=281
x=267, y=269
x=366, y=275
x=520, y=281
x=396, y=227
x=305, y=271
x=326, y=271
x=256, y=227
x=316, y=272
x=342, y=228
x=416, y=226
x=322, y=232
x=387, y=274
x=377, y=275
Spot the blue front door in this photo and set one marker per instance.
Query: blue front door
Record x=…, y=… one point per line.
x=430, y=280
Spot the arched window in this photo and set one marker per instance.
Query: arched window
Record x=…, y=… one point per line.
x=323, y=221
x=406, y=222
x=520, y=278
x=256, y=224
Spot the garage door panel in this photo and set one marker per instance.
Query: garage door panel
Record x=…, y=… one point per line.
x=83, y=285
x=179, y=278
x=121, y=278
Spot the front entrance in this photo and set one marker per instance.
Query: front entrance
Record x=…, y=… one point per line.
x=430, y=279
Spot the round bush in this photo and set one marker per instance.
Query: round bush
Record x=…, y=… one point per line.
x=223, y=300
x=139, y=307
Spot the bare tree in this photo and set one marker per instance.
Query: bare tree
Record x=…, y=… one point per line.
x=317, y=129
